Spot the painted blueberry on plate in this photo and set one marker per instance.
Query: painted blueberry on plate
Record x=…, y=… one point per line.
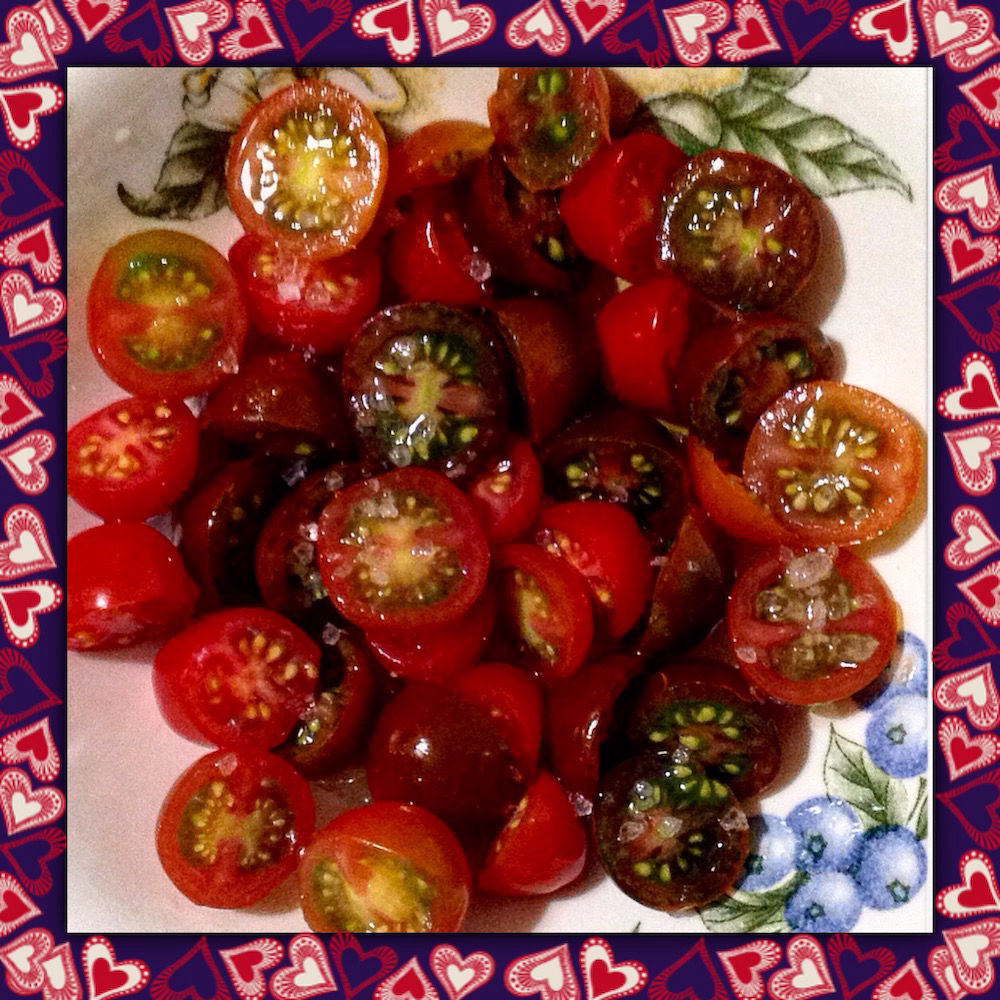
x=773, y=847
x=828, y=902
x=828, y=833
x=896, y=736
x=891, y=868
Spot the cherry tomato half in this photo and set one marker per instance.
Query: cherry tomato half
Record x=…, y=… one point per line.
x=810, y=627
x=739, y=229
x=542, y=848
x=387, y=866
x=132, y=459
x=402, y=549
x=236, y=678
x=164, y=315
x=307, y=168
x=834, y=462
x=126, y=584
x=231, y=827
x=548, y=122
x=436, y=153
x=507, y=495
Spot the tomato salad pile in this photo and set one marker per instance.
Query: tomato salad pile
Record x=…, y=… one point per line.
x=472, y=440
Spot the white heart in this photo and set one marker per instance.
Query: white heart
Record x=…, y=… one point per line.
x=976, y=192
x=977, y=539
x=21, y=957
x=459, y=978
x=973, y=449
x=55, y=972
x=807, y=976
x=974, y=689
x=947, y=28
x=27, y=550
x=688, y=25
x=311, y=974
x=28, y=52
x=25, y=311
x=540, y=22
x=972, y=947
x=549, y=972
x=24, y=808
x=451, y=27
x=192, y=23
x=23, y=458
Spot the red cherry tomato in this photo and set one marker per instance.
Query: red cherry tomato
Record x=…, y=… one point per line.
x=643, y=331
x=433, y=748
x=436, y=153
x=813, y=626
x=231, y=828
x=302, y=302
x=126, y=584
x=548, y=122
x=508, y=495
x=739, y=229
x=430, y=257
x=542, y=848
x=835, y=463
x=307, y=168
x=602, y=541
x=132, y=459
x=614, y=202
x=544, y=611
x=580, y=719
x=513, y=700
x=241, y=677
x=164, y=315
x=402, y=549
x=436, y=652
x=387, y=866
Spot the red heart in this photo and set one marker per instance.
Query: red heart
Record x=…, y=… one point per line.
x=36, y=352
x=395, y=20
x=35, y=744
x=963, y=753
x=147, y=22
x=15, y=171
x=744, y=965
x=14, y=409
x=841, y=945
x=977, y=893
x=753, y=36
x=17, y=699
x=36, y=245
x=633, y=32
x=956, y=153
x=13, y=907
x=605, y=979
x=892, y=21
x=833, y=13
x=338, y=12
x=19, y=604
x=106, y=978
x=589, y=16
x=92, y=13
x=384, y=957
x=20, y=107
x=256, y=34
x=976, y=806
x=984, y=590
x=40, y=881
x=907, y=985
x=409, y=984
x=977, y=307
x=986, y=92
x=979, y=395
x=965, y=256
x=246, y=962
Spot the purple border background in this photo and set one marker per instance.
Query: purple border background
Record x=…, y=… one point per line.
x=34, y=947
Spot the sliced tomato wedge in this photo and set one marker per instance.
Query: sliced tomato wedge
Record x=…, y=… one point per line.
x=835, y=463
x=436, y=153
x=811, y=626
x=507, y=495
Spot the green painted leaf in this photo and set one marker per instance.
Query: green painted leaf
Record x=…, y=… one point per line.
x=779, y=78
x=746, y=912
x=917, y=820
x=688, y=120
x=852, y=775
x=191, y=184
x=826, y=155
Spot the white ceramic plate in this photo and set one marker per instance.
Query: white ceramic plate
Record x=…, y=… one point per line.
x=122, y=758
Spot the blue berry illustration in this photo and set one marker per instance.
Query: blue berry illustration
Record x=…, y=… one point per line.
x=906, y=673
x=891, y=868
x=828, y=834
x=827, y=903
x=772, y=852
x=896, y=736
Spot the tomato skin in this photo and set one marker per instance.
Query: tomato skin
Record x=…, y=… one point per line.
x=542, y=848
x=507, y=496
x=432, y=747
x=762, y=644
x=512, y=699
x=240, y=677
x=544, y=612
x=394, y=834
x=548, y=122
x=436, y=153
x=603, y=542
x=856, y=482
x=430, y=257
x=580, y=719
x=125, y=584
x=436, y=652
x=148, y=335
x=379, y=506
x=299, y=302
x=643, y=331
x=322, y=178
x=729, y=503
x=260, y=784
x=132, y=459
x=612, y=204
